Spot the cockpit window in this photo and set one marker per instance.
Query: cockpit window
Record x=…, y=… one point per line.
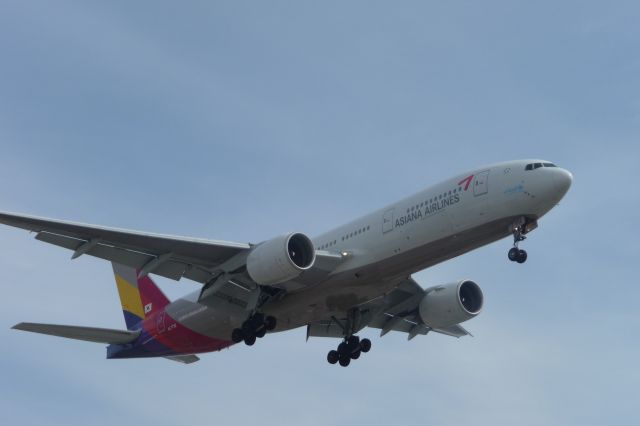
x=533, y=166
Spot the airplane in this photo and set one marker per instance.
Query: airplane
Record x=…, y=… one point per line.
x=355, y=276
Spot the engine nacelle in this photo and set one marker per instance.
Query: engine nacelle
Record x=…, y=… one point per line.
x=281, y=259
x=451, y=304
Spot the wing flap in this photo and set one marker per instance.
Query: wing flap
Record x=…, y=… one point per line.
x=453, y=331
x=88, y=334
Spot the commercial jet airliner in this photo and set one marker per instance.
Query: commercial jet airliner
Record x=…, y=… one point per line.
x=336, y=284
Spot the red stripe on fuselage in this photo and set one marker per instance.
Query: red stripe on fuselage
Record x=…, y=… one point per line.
x=179, y=338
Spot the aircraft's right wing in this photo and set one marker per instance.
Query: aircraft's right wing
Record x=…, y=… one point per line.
x=169, y=256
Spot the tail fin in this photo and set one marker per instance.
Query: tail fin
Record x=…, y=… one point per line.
x=140, y=297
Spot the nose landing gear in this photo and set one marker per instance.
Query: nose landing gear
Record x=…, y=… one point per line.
x=517, y=255
x=519, y=230
x=256, y=326
x=351, y=348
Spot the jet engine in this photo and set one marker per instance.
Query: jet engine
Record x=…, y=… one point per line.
x=281, y=259
x=451, y=304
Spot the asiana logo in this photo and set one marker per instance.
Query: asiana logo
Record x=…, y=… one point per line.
x=435, y=205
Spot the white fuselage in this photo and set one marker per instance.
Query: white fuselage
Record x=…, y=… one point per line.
x=441, y=222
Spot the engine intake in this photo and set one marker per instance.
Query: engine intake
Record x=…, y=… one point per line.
x=451, y=304
x=281, y=259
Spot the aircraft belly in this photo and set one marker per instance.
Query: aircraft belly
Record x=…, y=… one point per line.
x=209, y=320
x=341, y=291
x=359, y=285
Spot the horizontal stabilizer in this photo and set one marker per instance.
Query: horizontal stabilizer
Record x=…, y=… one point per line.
x=89, y=334
x=184, y=359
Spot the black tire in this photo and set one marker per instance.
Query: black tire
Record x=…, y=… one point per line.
x=333, y=357
x=365, y=345
x=270, y=323
x=353, y=341
x=256, y=321
x=261, y=332
x=237, y=335
x=344, y=361
x=343, y=349
x=356, y=354
x=522, y=256
x=250, y=340
x=514, y=254
x=246, y=327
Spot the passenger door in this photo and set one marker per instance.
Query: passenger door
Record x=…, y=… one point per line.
x=481, y=183
x=387, y=221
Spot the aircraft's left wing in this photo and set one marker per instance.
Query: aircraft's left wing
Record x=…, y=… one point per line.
x=396, y=311
x=169, y=256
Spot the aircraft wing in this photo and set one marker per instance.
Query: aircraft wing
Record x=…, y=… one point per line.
x=397, y=311
x=169, y=256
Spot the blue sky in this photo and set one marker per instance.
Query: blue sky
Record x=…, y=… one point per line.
x=243, y=120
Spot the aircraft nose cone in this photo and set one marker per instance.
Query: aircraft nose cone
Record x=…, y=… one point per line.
x=562, y=180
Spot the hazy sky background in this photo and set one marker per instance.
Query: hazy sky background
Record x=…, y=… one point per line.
x=243, y=120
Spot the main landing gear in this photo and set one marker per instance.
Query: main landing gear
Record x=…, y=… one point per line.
x=256, y=326
x=516, y=254
x=351, y=348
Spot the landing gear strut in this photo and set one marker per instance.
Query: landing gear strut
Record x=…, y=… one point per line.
x=256, y=326
x=519, y=230
x=350, y=348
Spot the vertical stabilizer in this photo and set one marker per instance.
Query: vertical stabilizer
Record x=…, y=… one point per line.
x=140, y=297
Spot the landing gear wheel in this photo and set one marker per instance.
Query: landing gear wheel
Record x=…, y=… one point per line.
x=256, y=321
x=261, y=332
x=356, y=354
x=237, y=335
x=343, y=349
x=249, y=340
x=353, y=341
x=514, y=254
x=270, y=323
x=345, y=360
x=365, y=345
x=246, y=327
x=522, y=256
x=333, y=357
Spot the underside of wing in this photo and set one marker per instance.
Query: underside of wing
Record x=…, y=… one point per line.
x=169, y=256
x=396, y=311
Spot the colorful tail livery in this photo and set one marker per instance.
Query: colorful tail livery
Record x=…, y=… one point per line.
x=151, y=331
x=140, y=296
